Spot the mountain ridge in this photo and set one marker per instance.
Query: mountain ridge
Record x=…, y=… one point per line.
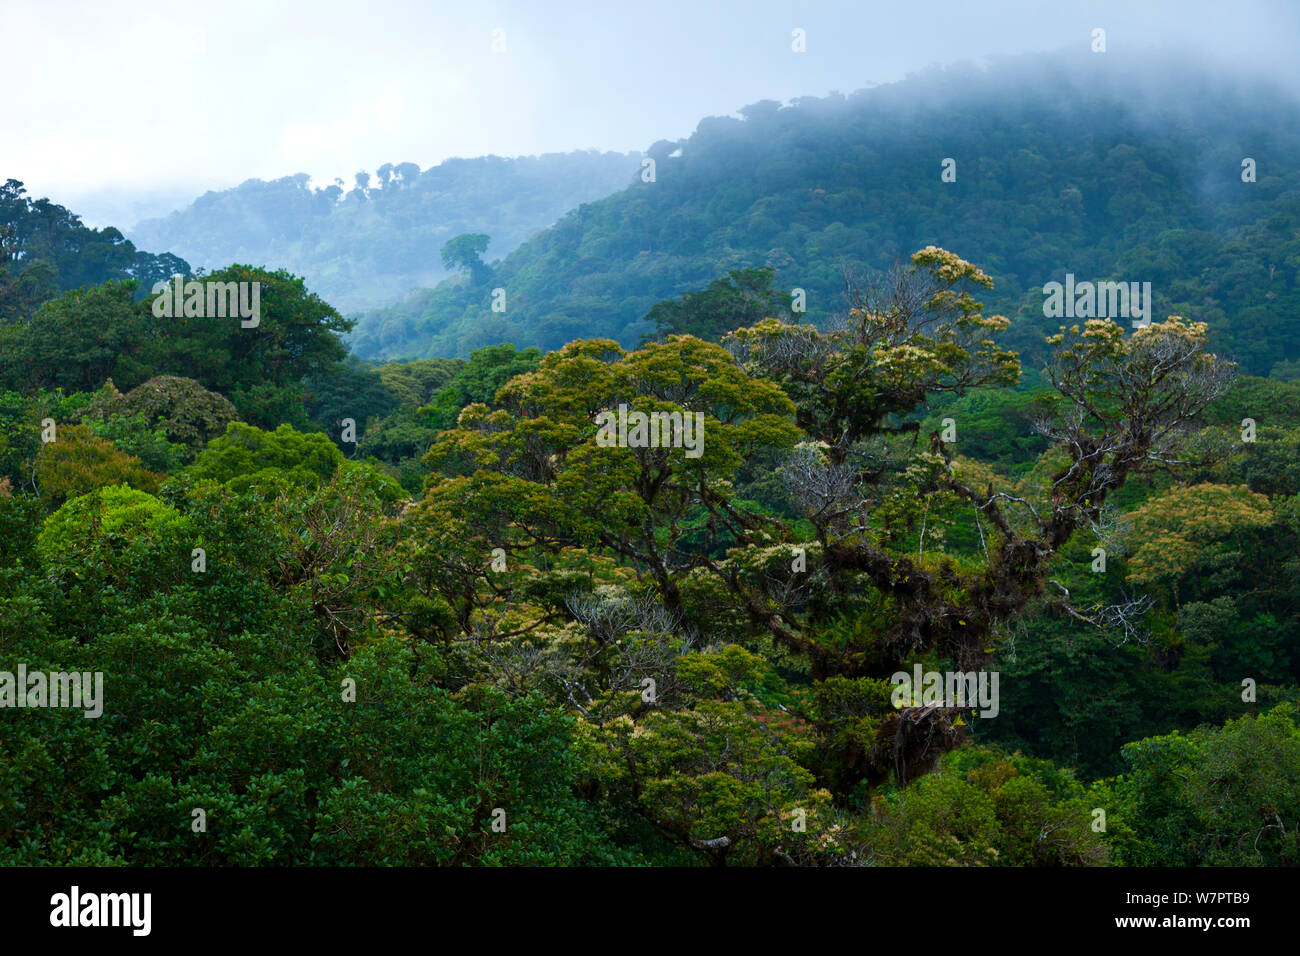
x=1101, y=160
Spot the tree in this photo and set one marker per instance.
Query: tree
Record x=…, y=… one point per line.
x=246, y=458
x=985, y=808
x=415, y=383
x=188, y=414
x=1198, y=799
x=464, y=254
x=85, y=336
x=245, y=455
x=406, y=174
x=477, y=381
x=79, y=461
x=259, y=368
x=1189, y=526
x=45, y=250
x=744, y=298
x=350, y=390
x=917, y=332
x=109, y=549
x=866, y=583
x=135, y=436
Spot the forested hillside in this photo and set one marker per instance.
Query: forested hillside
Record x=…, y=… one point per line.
x=370, y=244
x=1101, y=167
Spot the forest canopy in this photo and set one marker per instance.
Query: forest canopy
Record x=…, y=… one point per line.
x=475, y=633
x=756, y=512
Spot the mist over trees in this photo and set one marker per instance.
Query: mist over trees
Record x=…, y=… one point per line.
x=1127, y=169
x=367, y=243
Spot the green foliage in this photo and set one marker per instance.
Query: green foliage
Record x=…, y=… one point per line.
x=478, y=380
x=85, y=337
x=245, y=455
x=286, y=772
x=745, y=297
x=1268, y=401
x=1200, y=799
x=415, y=383
x=115, y=536
x=349, y=391
x=659, y=652
x=184, y=411
x=994, y=426
x=135, y=437
x=985, y=808
x=1192, y=527
x=79, y=461
x=297, y=335
x=45, y=250
x=464, y=254
x=21, y=429
x=20, y=520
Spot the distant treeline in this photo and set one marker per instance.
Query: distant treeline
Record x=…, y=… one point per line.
x=369, y=245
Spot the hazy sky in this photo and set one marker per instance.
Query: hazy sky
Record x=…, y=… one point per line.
x=122, y=107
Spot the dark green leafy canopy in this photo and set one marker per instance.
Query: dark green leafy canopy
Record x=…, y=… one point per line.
x=745, y=297
x=45, y=249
